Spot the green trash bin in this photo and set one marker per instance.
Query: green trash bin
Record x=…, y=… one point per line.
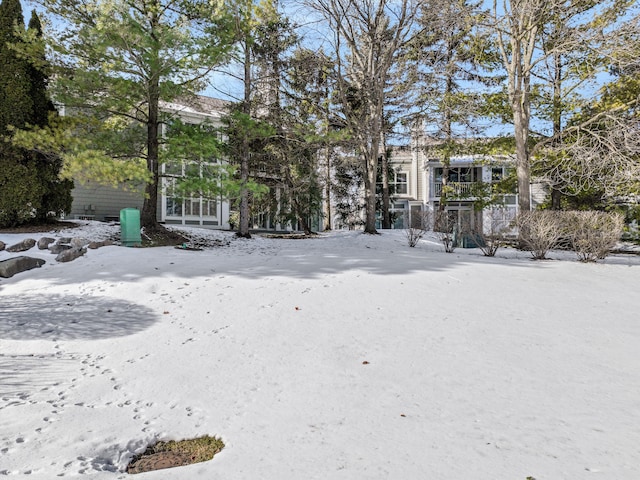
x=130, y=227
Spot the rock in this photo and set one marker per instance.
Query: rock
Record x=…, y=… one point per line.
x=57, y=248
x=2, y=245
x=8, y=268
x=103, y=243
x=22, y=246
x=71, y=254
x=78, y=242
x=63, y=240
x=44, y=242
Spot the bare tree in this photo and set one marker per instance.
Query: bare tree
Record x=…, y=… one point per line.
x=367, y=40
x=596, y=149
x=527, y=42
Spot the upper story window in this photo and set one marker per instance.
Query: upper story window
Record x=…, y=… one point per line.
x=401, y=183
x=457, y=174
x=497, y=174
x=398, y=181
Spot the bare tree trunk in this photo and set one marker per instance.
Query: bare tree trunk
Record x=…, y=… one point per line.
x=386, y=214
x=326, y=207
x=373, y=33
x=148, y=219
x=370, y=190
x=243, y=228
x=371, y=173
x=522, y=31
x=556, y=195
x=523, y=170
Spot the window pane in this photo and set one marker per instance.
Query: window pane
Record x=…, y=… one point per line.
x=209, y=208
x=174, y=207
x=401, y=183
x=173, y=168
x=192, y=206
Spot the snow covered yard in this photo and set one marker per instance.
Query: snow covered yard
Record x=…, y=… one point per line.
x=342, y=357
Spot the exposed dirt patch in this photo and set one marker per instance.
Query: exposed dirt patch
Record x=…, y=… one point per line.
x=161, y=237
x=175, y=454
x=289, y=236
x=54, y=226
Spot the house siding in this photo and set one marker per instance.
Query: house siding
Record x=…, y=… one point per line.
x=100, y=202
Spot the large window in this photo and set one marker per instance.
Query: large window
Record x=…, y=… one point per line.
x=458, y=174
x=401, y=183
x=188, y=210
x=398, y=182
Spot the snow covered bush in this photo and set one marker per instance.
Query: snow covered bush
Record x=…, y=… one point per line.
x=592, y=234
x=539, y=231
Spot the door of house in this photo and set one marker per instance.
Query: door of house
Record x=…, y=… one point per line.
x=462, y=218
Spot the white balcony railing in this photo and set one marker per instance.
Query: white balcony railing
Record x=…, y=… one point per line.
x=459, y=189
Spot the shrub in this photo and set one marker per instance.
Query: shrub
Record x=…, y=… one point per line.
x=445, y=226
x=419, y=224
x=539, y=231
x=234, y=219
x=21, y=193
x=593, y=234
x=497, y=227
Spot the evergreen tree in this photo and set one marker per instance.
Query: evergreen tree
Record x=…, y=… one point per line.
x=56, y=195
x=455, y=64
x=115, y=63
x=15, y=100
x=20, y=191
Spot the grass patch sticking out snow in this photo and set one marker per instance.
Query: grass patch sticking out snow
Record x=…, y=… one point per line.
x=175, y=454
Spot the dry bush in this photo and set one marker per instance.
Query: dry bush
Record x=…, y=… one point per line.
x=592, y=234
x=497, y=222
x=445, y=227
x=539, y=231
x=419, y=224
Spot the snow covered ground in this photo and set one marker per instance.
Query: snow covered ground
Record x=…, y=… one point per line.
x=347, y=356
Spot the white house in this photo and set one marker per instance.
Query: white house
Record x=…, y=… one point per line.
x=418, y=185
x=100, y=202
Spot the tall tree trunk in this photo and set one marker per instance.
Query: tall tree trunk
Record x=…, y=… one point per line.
x=371, y=154
x=556, y=195
x=326, y=204
x=386, y=200
x=520, y=103
x=243, y=228
x=523, y=170
x=447, y=128
x=148, y=218
x=371, y=163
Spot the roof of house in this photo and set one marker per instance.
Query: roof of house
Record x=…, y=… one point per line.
x=199, y=105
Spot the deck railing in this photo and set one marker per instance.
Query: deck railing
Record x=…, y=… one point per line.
x=460, y=189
